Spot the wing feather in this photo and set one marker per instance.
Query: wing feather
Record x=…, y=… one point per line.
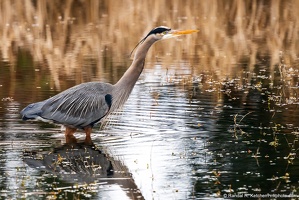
x=78, y=106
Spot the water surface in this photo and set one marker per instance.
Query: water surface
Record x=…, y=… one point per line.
x=213, y=115
x=177, y=137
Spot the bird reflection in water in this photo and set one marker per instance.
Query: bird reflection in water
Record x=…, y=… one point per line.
x=82, y=162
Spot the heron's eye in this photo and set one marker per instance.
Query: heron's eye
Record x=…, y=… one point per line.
x=164, y=33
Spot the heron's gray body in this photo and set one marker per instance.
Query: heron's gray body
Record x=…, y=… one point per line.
x=79, y=106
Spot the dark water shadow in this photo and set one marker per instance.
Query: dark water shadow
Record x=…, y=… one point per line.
x=82, y=164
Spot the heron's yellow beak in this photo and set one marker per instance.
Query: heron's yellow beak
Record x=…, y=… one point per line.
x=184, y=32
x=175, y=33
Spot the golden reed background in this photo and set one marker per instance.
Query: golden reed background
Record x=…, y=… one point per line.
x=64, y=34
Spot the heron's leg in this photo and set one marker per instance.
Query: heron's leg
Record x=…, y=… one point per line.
x=88, y=133
x=69, y=135
x=70, y=131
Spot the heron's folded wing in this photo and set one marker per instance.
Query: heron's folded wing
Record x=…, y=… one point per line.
x=77, y=106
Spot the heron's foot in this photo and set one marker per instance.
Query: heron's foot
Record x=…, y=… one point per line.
x=70, y=139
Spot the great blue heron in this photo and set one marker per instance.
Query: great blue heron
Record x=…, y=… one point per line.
x=84, y=105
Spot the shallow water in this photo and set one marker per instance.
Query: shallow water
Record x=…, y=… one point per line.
x=178, y=137
x=213, y=115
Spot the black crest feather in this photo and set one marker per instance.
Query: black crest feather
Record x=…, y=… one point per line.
x=159, y=29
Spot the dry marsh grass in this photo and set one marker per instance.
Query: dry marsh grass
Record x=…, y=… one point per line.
x=63, y=34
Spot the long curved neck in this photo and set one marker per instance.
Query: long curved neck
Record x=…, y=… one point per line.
x=132, y=74
x=122, y=89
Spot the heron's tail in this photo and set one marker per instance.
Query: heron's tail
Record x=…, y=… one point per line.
x=32, y=111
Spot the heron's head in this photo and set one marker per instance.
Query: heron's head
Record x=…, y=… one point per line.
x=163, y=32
